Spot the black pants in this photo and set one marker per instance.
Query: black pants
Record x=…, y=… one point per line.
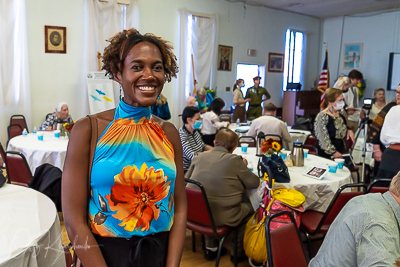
x=208, y=139
x=144, y=251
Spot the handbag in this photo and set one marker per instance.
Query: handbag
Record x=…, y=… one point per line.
x=254, y=243
x=302, y=123
x=291, y=197
x=279, y=170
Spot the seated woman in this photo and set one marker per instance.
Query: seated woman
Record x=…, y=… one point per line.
x=380, y=102
x=192, y=144
x=330, y=126
x=60, y=115
x=204, y=100
x=211, y=122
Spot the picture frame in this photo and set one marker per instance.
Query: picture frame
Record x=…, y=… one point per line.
x=55, y=39
x=275, y=62
x=225, y=57
x=315, y=172
x=352, y=56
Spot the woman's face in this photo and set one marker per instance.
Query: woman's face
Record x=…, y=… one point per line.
x=346, y=87
x=240, y=84
x=64, y=112
x=142, y=77
x=201, y=97
x=340, y=98
x=192, y=121
x=380, y=96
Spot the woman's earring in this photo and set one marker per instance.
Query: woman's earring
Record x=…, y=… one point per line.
x=120, y=92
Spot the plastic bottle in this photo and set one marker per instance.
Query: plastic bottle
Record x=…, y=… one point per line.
x=25, y=132
x=34, y=130
x=250, y=166
x=237, y=123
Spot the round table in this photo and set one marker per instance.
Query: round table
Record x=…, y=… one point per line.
x=51, y=150
x=30, y=232
x=318, y=193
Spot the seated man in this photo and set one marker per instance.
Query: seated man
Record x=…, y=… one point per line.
x=268, y=124
x=365, y=233
x=225, y=178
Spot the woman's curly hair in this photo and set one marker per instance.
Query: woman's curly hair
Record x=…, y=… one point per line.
x=120, y=45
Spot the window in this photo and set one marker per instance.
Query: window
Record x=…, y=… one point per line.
x=293, y=71
x=247, y=72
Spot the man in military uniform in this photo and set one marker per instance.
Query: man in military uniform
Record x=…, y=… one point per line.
x=256, y=94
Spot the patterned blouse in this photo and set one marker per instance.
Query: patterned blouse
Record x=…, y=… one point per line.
x=52, y=120
x=330, y=132
x=133, y=177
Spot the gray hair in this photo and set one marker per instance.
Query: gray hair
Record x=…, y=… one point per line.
x=395, y=185
x=60, y=105
x=201, y=91
x=342, y=80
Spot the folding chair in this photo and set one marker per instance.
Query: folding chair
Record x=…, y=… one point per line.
x=68, y=257
x=20, y=120
x=279, y=238
x=315, y=222
x=226, y=117
x=2, y=157
x=311, y=140
x=17, y=167
x=200, y=219
x=379, y=186
x=311, y=149
x=247, y=140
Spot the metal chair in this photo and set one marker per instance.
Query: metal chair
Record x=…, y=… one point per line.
x=311, y=149
x=2, y=157
x=20, y=120
x=68, y=257
x=247, y=140
x=315, y=222
x=200, y=219
x=379, y=186
x=311, y=140
x=279, y=238
x=226, y=118
x=17, y=167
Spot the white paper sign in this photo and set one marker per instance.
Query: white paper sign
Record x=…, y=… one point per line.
x=100, y=92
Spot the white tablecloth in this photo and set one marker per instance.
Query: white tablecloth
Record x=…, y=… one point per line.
x=318, y=193
x=30, y=232
x=51, y=150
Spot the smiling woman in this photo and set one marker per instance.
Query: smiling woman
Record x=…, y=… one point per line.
x=135, y=190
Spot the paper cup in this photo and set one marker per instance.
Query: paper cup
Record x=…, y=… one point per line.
x=40, y=136
x=57, y=133
x=283, y=155
x=244, y=147
x=340, y=163
x=332, y=167
x=305, y=150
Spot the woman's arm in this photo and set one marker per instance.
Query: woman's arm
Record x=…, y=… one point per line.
x=75, y=195
x=188, y=152
x=178, y=230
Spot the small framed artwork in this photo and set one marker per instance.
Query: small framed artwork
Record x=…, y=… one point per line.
x=275, y=62
x=352, y=56
x=55, y=39
x=225, y=57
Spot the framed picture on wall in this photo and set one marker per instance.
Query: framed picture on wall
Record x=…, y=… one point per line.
x=275, y=62
x=352, y=56
x=225, y=57
x=55, y=39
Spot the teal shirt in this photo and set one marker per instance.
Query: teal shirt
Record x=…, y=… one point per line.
x=365, y=233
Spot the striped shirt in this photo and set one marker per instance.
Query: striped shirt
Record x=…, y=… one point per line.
x=191, y=144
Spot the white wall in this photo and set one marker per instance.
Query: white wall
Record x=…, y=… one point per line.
x=380, y=35
x=60, y=77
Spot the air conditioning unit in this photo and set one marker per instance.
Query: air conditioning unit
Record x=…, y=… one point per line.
x=251, y=52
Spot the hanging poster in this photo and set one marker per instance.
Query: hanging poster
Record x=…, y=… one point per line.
x=100, y=92
x=352, y=56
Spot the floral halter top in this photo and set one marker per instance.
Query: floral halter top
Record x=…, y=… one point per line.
x=133, y=177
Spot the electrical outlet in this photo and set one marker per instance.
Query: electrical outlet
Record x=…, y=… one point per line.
x=227, y=88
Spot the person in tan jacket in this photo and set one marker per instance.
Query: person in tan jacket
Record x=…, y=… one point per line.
x=225, y=178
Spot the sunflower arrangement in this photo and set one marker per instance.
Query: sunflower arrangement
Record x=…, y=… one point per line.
x=270, y=146
x=361, y=88
x=68, y=126
x=212, y=91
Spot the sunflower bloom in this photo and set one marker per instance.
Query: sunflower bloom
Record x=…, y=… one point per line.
x=135, y=194
x=276, y=146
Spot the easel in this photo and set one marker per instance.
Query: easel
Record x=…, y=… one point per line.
x=194, y=93
x=98, y=60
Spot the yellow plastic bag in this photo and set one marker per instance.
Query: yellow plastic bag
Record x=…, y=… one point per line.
x=291, y=197
x=254, y=243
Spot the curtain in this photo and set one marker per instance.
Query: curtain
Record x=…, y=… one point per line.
x=198, y=37
x=14, y=68
x=104, y=20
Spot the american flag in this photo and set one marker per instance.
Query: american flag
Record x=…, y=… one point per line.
x=323, y=83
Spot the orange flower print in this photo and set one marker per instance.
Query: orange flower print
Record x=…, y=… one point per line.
x=135, y=194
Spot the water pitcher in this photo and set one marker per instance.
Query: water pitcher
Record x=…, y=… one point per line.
x=298, y=154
